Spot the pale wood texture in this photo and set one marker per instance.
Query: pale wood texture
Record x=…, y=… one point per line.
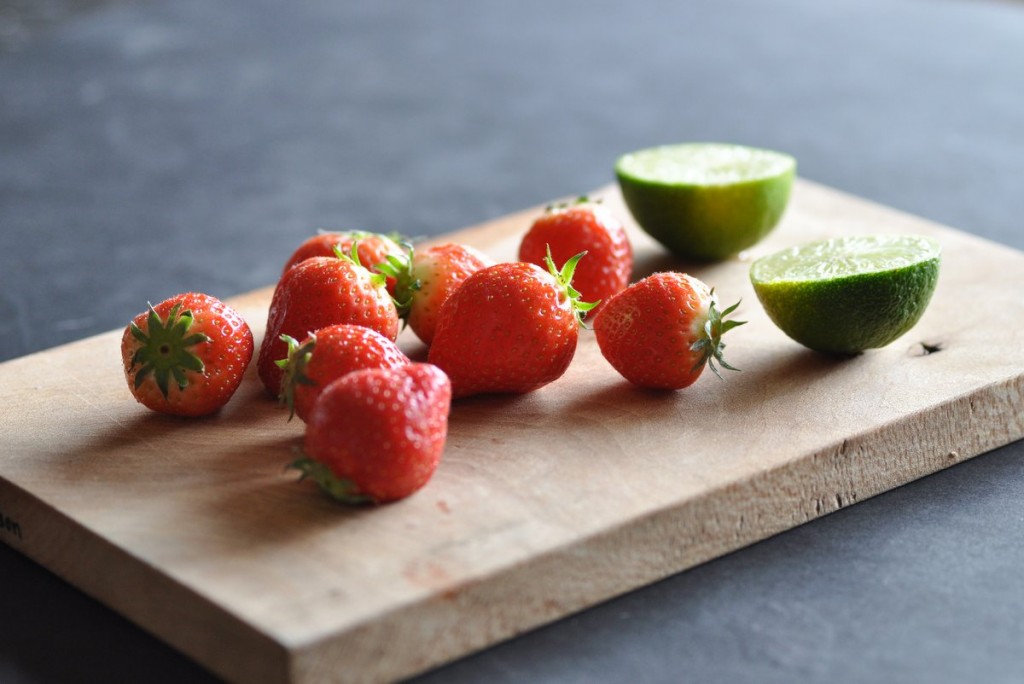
x=544, y=504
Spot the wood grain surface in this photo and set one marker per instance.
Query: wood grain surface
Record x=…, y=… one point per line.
x=544, y=503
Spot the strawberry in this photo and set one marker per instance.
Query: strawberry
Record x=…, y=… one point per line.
x=319, y=292
x=663, y=330
x=511, y=327
x=186, y=355
x=373, y=248
x=585, y=226
x=328, y=354
x=425, y=278
x=377, y=435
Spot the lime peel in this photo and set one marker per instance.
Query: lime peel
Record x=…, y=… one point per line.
x=848, y=294
x=706, y=201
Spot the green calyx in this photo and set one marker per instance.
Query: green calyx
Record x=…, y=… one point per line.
x=710, y=345
x=294, y=367
x=354, y=234
x=394, y=236
x=563, y=277
x=406, y=282
x=582, y=199
x=166, y=353
x=336, y=487
x=352, y=256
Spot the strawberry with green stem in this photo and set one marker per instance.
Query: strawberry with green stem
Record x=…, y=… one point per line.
x=377, y=435
x=426, y=277
x=373, y=249
x=662, y=331
x=319, y=292
x=585, y=225
x=328, y=354
x=186, y=356
x=510, y=328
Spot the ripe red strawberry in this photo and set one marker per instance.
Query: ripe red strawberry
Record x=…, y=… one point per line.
x=373, y=249
x=510, y=328
x=584, y=226
x=427, y=277
x=328, y=354
x=316, y=293
x=186, y=355
x=663, y=330
x=377, y=435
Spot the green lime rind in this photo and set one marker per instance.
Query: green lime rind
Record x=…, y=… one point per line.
x=848, y=295
x=706, y=201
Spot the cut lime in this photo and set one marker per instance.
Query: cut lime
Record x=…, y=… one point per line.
x=848, y=294
x=706, y=201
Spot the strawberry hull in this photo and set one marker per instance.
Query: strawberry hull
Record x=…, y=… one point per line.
x=187, y=355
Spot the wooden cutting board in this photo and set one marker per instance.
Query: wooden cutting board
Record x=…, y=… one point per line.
x=544, y=504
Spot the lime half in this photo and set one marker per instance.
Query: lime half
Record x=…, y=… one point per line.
x=706, y=201
x=848, y=294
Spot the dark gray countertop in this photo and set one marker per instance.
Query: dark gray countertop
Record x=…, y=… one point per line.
x=148, y=148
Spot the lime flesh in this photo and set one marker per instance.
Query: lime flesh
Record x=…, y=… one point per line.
x=706, y=201
x=848, y=294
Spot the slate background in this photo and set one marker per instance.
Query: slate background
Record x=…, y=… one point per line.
x=148, y=148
